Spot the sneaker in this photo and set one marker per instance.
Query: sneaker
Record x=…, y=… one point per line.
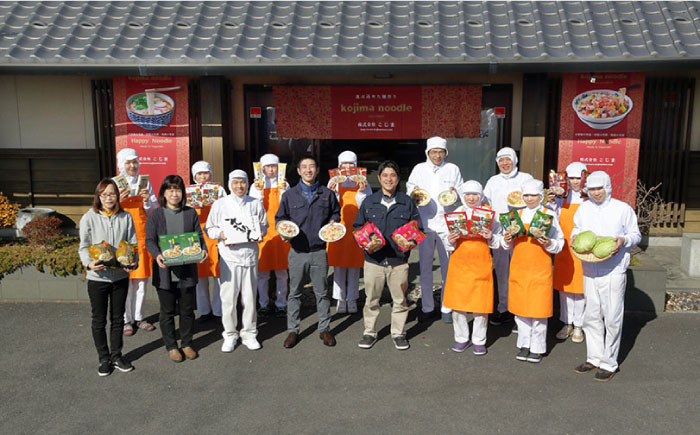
x=122, y=365
x=341, y=308
x=143, y=324
x=565, y=332
x=229, y=344
x=522, y=355
x=447, y=318
x=264, y=311
x=280, y=311
x=401, y=343
x=251, y=343
x=352, y=307
x=128, y=329
x=105, y=369
x=534, y=357
x=584, y=368
x=425, y=317
x=577, y=336
x=498, y=319
x=480, y=349
x=367, y=342
x=461, y=347
x=603, y=375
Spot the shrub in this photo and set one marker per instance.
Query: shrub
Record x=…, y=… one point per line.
x=61, y=261
x=8, y=212
x=43, y=231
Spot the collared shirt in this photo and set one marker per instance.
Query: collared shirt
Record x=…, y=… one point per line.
x=308, y=190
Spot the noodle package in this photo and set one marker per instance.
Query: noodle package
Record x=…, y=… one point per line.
x=369, y=238
x=407, y=236
x=126, y=253
x=482, y=219
x=558, y=184
x=102, y=253
x=512, y=223
x=540, y=225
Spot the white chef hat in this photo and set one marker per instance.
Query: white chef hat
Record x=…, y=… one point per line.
x=574, y=169
x=269, y=159
x=436, y=142
x=599, y=179
x=347, y=157
x=509, y=153
x=237, y=173
x=201, y=166
x=125, y=155
x=533, y=187
x=471, y=186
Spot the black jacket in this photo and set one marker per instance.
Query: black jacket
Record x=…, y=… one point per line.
x=403, y=211
x=310, y=217
x=155, y=226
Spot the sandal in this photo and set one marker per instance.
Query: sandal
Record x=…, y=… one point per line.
x=128, y=329
x=145, y=326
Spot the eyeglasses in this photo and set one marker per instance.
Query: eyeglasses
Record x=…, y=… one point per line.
x=108, y=195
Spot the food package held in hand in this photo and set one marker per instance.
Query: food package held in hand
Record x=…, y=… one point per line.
x=102, y=253
x=121, y=182
x=258, y=175
x=281, y=174
x=126, y=253
x=540, y=225
x=333, y=175
x=512, y=224
x=178, y=249
x=143, y=182
x=363, y=174
x=584, y=188
x=482, y=219
x=407, y=236
x=558, y=184
x=457, y=222
x=369, y=238
x=353, y=174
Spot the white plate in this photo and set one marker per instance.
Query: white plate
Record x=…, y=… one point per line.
x=291, y=235
x=339, y=226
x=447, y=198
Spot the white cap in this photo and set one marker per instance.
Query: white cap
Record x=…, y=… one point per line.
x=599, y=179
x=436, y=142
x=269, y=159
x=238, y=173
x=533, y=187
x=574, y=169
x=201, y=166
x=347, y=157
x=471, y=186
x=126, y=155
x=509, y=153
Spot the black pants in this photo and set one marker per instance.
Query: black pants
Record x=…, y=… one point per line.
x=100, y=293
x=168, y=302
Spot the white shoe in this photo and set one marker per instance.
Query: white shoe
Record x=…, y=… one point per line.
x=352, y=307
x=229, y=344
x=251, y=344
x=341, y=308
x=565, y=332
x=577, y=336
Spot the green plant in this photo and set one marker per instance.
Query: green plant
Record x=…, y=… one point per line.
x=8, y=212
x=44, y=231
x=62, y=260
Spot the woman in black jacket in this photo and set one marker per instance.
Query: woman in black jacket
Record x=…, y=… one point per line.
x=174, y=282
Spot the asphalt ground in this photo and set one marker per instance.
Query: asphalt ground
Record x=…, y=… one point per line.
x=49, y=381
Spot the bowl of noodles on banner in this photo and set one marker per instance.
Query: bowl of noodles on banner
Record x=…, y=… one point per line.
x=138, y=113
x=601, y=109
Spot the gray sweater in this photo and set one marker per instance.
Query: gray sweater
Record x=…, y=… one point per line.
x=96, y=227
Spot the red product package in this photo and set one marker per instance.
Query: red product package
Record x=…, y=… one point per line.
x=584, y=189
x=558, y=184
x=407, y=236
x=369, y=238
x=482, y=218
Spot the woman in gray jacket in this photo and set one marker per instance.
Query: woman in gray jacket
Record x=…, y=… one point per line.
x=106, y=221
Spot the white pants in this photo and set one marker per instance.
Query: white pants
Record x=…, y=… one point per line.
x=133, y=310
x=426, y=254
x=602, y=318
x=501, y=262
x=238, y=280
x=571, y=307
x=263, y=279
x=461, y=327
x=532, y=334
x=346, y=283
x=203, y=304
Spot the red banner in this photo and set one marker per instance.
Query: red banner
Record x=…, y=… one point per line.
x=377, y=112
x=600, y=126
x=157, y=128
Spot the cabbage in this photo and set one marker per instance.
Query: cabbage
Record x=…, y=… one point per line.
x=604, y=247
x=584, y=242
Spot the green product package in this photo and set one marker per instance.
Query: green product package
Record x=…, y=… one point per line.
x=178, y=249
x=540, y=225
x=512, y=223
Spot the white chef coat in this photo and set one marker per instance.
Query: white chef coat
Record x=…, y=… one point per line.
x=251, y=209
x=500, y=185
x=434, y=179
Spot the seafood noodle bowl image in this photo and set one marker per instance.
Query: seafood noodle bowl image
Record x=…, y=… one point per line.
x=192, y=250
x=158, y=116
x=602, y=108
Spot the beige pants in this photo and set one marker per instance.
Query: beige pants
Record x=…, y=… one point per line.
x=396, y=278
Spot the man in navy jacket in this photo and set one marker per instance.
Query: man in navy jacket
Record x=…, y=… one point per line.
x=387, y=209
x=310, y=206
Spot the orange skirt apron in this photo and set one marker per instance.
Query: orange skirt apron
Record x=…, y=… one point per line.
x=273, y=251
x=530, y=280
x=568, y=271
x=134, y=206
x=211, y=266
x=469, y=284
x=345, y=252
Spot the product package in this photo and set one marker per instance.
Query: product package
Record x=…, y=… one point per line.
x=512, y=223
x=178, y=249
x=258, y=175
x=142, y=182
x=457, y=222
x=281, y=174
x=202, y=195
x=126, y=253
x=540, y=225
x=558, y=184
x=369, y=238
x=482, y=219
x=102, y=253
x=407, y=236
x=121, y=182
x=584, y=188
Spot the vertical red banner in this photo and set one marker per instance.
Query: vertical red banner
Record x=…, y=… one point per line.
x=600, y=126
x=157, y=128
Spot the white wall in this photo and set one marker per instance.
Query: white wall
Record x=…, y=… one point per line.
x=46, y=112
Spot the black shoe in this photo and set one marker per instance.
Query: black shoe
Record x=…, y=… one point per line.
x=401, y=343
x=584, y=368
x=522, y=355
x=425, y=317
x=280, y=311
x=534, y=357
x=497, y=319
x=206, y=317
x=603, y=375
x=264, y=311
x=122, y=365
x=105, y=368
x=367, y=342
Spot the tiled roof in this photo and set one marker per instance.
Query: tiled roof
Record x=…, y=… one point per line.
x=233, y=35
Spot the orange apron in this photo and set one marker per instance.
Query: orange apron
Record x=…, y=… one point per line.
x=345, y=252
x=211, y=266
x=568, y=271
x=530, y=281
x=469, y=283
x=134, y=205
x=273, y=251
